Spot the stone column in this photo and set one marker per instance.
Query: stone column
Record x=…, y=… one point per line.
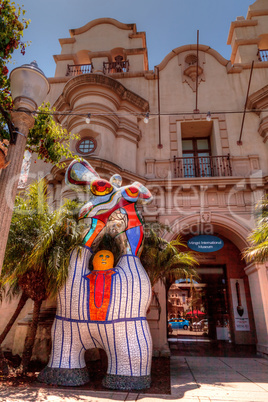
x=10, y=176
x=157, y=320
x=258, y=283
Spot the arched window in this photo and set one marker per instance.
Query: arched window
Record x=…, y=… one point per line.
x=118, y=64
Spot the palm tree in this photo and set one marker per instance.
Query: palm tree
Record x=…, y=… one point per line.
x=37, y=255
x=258, y=238
x=165, y=261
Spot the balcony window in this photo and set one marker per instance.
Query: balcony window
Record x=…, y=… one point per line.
x=203, y=166
x=119, y=65
x=196, y=153
x=78, y=69
x=263, y=55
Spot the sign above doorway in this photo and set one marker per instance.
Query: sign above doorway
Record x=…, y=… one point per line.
x=205, y=243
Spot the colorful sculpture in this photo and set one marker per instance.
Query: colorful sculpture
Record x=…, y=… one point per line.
x=104, y=308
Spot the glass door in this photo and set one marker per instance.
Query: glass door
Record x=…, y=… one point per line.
x=199, y=309
x=196, y=157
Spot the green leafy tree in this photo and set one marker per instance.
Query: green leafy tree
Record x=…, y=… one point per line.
x=47, y=138
x=258, y=238
x=37, y=254
x=12, y=25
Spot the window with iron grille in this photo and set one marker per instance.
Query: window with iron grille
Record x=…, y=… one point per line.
x=119, y=65
x=86, y=145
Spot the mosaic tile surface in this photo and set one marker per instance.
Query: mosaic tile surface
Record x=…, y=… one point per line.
x=104, y=309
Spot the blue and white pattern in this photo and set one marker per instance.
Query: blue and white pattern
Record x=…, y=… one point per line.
x=125, y=335
x=120, y=328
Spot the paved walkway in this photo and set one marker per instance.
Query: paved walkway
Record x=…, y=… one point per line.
x=193, y=379
x=219, y=379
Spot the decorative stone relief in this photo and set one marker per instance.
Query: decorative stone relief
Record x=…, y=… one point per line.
x=263, y=128
x=190, y=71
x=150, y=164
x=161, y=172
x=205, y=217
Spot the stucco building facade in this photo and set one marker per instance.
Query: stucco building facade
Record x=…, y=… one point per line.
x=204, y=167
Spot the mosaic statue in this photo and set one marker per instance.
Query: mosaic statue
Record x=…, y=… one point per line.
x=106, y=307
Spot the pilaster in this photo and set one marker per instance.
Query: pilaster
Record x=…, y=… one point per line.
x=258, y=283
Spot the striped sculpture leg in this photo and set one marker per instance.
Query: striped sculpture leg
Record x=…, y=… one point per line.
x=129, y=360
x=70, y=331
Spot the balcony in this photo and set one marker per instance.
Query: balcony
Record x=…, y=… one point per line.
x=78, y=69
x=262, y=55
x=203, y=166
x=116, y=67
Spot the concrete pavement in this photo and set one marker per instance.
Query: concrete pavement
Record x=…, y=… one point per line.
x=219, y=379
x=193, y=379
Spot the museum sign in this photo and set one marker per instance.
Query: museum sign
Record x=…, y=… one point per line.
x=205, y=243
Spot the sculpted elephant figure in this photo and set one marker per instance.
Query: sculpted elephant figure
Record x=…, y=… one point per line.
x=104, y=309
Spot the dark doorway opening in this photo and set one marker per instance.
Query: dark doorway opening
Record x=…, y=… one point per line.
x=198, y=311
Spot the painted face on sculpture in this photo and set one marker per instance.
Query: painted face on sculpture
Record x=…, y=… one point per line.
x=103, y=260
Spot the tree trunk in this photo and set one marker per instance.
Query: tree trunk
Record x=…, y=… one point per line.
x=10, y=177
x=3, y=363
x=22, y=301
x=30, y=338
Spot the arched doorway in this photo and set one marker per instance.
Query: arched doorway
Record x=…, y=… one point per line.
x=203, y=309
x=217, y=306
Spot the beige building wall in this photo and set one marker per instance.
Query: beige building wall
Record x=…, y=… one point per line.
x=118, y=101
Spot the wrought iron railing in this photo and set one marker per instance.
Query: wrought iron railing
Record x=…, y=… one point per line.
x=78, y=69
x=203, y=166
x=116, y=67
x=263, y=55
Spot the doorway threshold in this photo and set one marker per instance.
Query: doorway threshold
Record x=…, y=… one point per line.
x=189, y=340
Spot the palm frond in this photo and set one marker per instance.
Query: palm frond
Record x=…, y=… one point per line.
x=257, y=252
x=163, y=260
x=258, y=238
x=40, y=240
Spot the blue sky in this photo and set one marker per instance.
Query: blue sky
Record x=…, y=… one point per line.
x=168, y=24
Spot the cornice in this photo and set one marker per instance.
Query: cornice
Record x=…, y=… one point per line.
x=256, y=13
x=186, y=48
x=251, y=268
x=58, y=80
x=99, y=21
x=259, y=99
x=239, y=67
x=148, y=75
x=220, y=182
x=67, y=41
x=57, y=174
x=63, y=57
x=239, y=24
x=104, y=81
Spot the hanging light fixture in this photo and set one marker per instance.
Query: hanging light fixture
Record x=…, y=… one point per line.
x=146, y=118
x=88, y=118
